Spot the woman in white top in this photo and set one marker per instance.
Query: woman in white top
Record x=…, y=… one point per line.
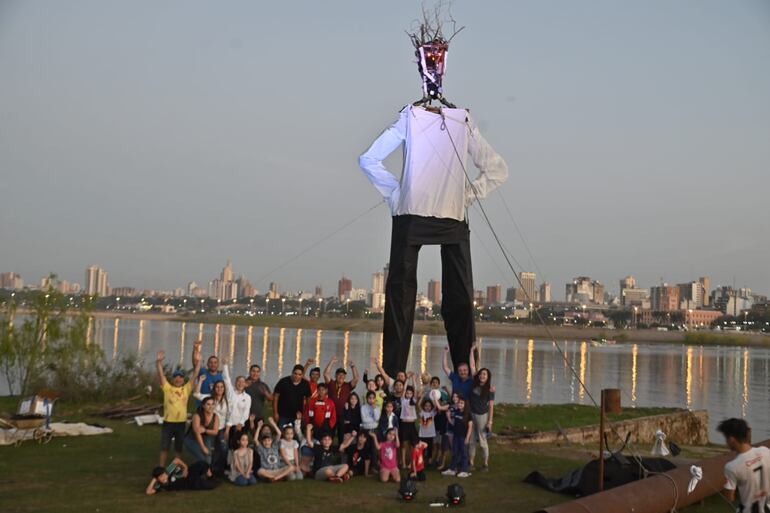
x=240, y=405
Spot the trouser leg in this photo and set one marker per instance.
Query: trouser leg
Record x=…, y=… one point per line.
x=457, y=299
x=400, y=297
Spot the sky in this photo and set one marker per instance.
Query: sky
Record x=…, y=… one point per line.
x=159, y=139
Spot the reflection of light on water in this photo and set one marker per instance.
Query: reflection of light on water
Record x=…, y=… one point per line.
x=200, y=332
x=216, y=339
x=298, y=353
x=745, y=404
x=89, y=332
x=634, y=355
x=232, y=343
x=181, y=343
x=318, y=335
x=530, y=361
x=115, y=339
x=688, y=376
x=249, y=340
x=345, y=349
x=265, y=335
x=423, y=353
x=140, y=346
x=583, y=361
x=280, y=351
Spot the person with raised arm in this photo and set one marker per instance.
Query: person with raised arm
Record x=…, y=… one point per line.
x=388, y=450
x=482, y=404
x=462, y=381
x=175, y=398
x=340, y=390
x=240, y=405
x=327, y=459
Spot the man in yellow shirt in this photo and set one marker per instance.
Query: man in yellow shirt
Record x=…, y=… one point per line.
x=175, y=398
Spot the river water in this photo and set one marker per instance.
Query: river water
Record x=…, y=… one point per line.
x=728, y=381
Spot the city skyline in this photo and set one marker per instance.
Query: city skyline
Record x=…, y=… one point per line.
x=633, y=145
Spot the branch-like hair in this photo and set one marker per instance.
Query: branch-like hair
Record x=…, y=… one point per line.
x=430, y=27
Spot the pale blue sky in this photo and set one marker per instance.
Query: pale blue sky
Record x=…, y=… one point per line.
x=157, y=139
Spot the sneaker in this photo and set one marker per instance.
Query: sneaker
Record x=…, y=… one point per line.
x=464, y=474
x=449, y=472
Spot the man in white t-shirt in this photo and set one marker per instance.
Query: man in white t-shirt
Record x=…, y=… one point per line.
x=749, y=472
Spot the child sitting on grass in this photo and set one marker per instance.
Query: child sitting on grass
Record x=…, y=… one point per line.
x=272, y=467
x=289, y=449
x=242, y=467
x=359, y=453
x=327, y=459
x=388, y=456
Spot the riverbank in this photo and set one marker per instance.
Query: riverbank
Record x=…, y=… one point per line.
x=483, y=329
x=111, y=471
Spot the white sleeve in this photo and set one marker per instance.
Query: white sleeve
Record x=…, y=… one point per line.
x=493, y=170
x=228, y=384
x=371, y=161
x=731, y=480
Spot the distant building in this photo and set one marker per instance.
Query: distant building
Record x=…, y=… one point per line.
x=356, y=295
x=705, y=284
x=664, y=298
x=639, y=298
x=378, y=282
x=690, y=295
x=344, y=286
x=434, y=291
x=494, y=294
x=526, y=294
x=376, y=301
x=545, y=292
x=478, y=297
x=584, y=290
x=701, y=318
x=11, y=281
x=96, y=282
x=319, y=291
x=124, y=292
x=273, y=292
x=510, y=294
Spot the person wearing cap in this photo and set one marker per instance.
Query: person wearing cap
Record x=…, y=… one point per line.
x=339, y=389
x=175, y=397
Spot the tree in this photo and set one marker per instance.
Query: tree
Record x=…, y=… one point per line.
x=43, y=337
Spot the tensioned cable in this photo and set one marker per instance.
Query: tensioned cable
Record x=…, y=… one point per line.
x=320, y=241
x=537, y=312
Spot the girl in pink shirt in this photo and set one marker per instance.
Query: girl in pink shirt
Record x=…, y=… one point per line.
x=388, y=456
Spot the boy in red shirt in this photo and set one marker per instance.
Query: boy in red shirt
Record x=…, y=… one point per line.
x=418, y=461
x=321, y=412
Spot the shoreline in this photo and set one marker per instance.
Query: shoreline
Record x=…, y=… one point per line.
x=483, y=329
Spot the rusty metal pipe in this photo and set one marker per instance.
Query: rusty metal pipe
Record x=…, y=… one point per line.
x=657, y=494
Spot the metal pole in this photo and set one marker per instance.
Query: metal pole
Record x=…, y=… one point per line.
x=601, y=444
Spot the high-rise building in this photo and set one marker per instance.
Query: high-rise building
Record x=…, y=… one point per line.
x=526, y=293
x=629, y=282
x=690, y=295
x=510, y=294
x=344, y=286
x=635, y=297
x=598, y=293
x=227, y=272
x=11, y=281
x=545, y=292
x=96, y=281
x=434, y=291
x=319, y=291
x=494, y=294
x=273, y=293
x=664, y=298
x=705, y=283
x=478, y=297
x=378, y=282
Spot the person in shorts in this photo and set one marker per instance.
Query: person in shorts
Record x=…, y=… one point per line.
x=327, y=459
x=176, y=395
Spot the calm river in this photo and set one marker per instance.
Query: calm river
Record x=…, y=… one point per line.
x=728, y=381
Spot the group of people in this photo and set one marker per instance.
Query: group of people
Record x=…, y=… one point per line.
x=319, y=426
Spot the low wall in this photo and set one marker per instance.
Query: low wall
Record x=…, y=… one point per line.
x=682, y=427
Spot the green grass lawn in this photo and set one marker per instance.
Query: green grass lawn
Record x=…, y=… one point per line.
x=109, y=473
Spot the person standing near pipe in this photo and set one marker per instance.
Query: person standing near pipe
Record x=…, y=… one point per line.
x=749, y=472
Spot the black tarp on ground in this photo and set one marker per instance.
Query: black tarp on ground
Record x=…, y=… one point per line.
x=618, y=470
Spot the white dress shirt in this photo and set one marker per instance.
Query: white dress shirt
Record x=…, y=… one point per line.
x=433, y=183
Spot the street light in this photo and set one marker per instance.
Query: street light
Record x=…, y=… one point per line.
x=320, y=306
x=300, y=307
x=267, y=306
x=347, y=307
x=283, y=303
x=688, y=321
x=636, y=310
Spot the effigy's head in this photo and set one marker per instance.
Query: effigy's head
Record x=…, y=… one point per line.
x=431, y=63
x=431, y=48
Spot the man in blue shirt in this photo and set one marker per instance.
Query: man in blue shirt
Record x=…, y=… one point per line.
x=212, y=375
x=462, y=381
